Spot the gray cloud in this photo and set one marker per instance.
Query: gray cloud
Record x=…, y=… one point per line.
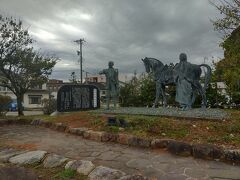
x=120, y=30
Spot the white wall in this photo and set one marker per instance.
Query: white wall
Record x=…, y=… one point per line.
x=26, y=100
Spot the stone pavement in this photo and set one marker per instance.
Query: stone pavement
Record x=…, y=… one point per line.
x=159, y=165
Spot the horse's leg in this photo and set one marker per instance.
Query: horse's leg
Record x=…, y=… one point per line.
x=163, y=95
x=202, y=93
x=158, y=89
x=194, y=88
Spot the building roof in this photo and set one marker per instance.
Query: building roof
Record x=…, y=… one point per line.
x=101, y=86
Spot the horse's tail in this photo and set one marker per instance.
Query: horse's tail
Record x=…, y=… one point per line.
x=208, y=76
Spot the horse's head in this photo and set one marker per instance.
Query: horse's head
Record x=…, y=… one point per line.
x=146, y=64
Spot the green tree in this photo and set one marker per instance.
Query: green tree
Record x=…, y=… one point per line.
x=73, y=78
x=138, y=92
x=129, y=94
x=230, y=16
x=228, y=69
x=147, y=90
x=20, y=66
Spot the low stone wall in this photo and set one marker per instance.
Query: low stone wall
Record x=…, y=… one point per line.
x=203, y=151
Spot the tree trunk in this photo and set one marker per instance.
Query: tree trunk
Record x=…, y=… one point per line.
x=19, y=105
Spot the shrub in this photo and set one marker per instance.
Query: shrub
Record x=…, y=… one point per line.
x=4, y=102
x=49, y=105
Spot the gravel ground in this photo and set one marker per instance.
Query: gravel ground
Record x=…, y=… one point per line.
x=217, y=114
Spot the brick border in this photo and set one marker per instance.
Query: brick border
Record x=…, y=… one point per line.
x=202, y=151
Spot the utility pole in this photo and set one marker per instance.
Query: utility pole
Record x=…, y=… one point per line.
x=79, y=53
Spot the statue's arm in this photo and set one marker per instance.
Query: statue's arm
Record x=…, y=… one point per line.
x=117, y=81
x=176, y=73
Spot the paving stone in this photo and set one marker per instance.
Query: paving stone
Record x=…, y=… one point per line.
x=77, y=131
x=59, y=127
x=6, y=154
x=109, y=155
x=28, y=157
x=36, y=122
x=179, y=148
x=206, y=151
x=223, y=174
x=232, y=155
x=160, y=143
x=96, y=135
x=85, y=168
x=123, y=138
x=81, y=166
x=109, y=137
x=195, y=173
x=94, y=154
x=86, y=134
x=138, y=163
x=175, y=177
x=105, y=173
x=140, y=142
x=134, y=177
x=46, y=124
x=164, y=158
x=54, y=160
x=70, y=165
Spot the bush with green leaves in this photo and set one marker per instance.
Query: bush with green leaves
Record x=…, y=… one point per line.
x=49, y=105
x=138, y=92
x=4, y=101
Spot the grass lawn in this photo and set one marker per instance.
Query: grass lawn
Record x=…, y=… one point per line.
x=224, y=133
x=58, y=173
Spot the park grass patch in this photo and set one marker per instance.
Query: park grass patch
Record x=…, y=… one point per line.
x=223, y=132
x=57, y=173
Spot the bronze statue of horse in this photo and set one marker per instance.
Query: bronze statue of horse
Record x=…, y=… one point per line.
x=164, y=75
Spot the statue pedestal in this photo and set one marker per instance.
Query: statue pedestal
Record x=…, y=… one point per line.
x=192, y=114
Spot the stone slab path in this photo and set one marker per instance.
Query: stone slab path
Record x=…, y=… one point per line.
x=153, y=164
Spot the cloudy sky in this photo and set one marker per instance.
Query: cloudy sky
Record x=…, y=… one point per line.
x=123, y=31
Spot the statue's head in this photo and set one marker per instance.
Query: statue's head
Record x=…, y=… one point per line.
x=110, y=64
x=146, y=64
x=183, y=57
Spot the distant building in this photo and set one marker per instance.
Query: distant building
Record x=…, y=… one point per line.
x=96, y=78
x=32, y=98
x=221, y=87
x=100, y=82
x=53, y=85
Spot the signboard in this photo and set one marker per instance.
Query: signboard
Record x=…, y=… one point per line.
x=78, y=97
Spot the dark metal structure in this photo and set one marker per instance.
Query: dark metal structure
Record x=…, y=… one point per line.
x=78, y=97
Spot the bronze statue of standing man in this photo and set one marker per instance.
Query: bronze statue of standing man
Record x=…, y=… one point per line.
x=112, y=84
x=184, y=91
